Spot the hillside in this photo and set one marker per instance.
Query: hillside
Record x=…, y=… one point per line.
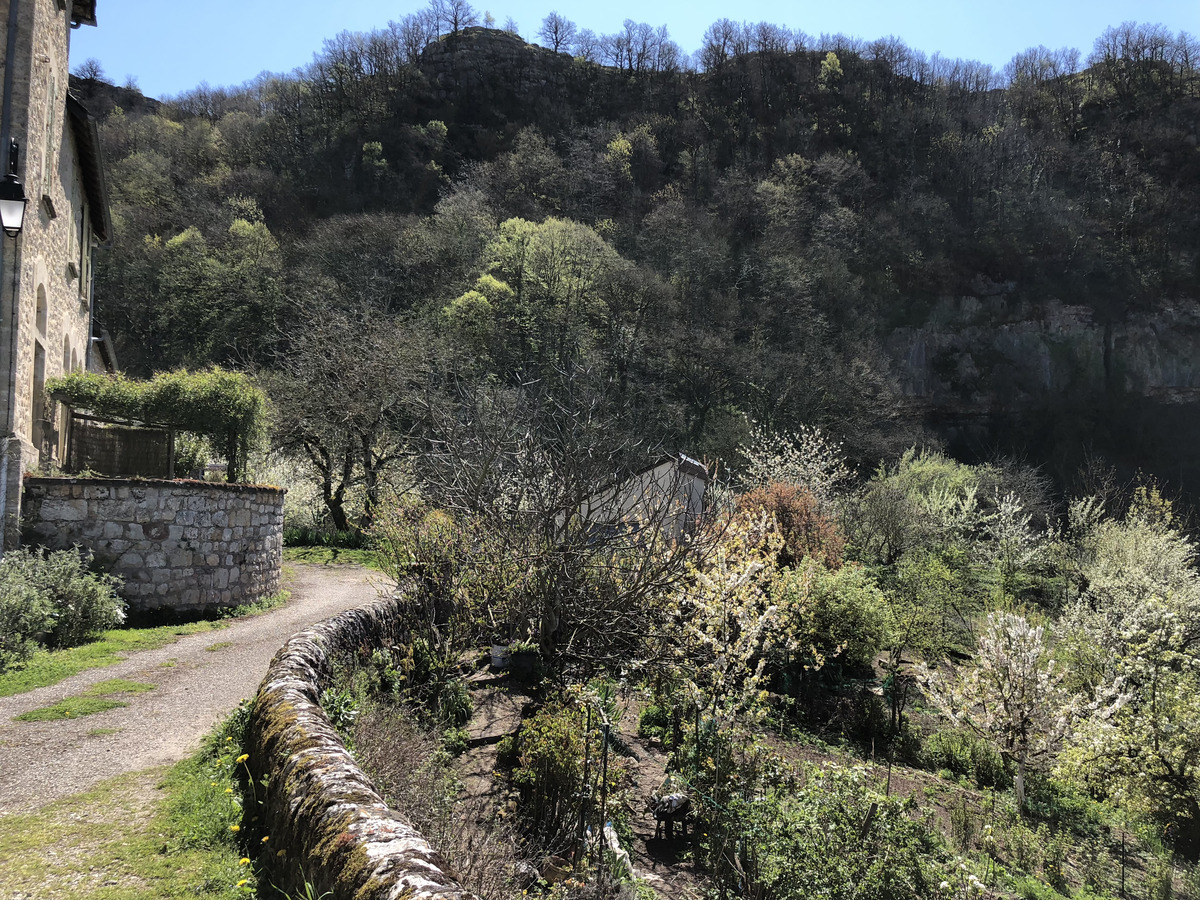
x=896, y=248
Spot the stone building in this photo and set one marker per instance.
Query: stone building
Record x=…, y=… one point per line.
x=46, y=270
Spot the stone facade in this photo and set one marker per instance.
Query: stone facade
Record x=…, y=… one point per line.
x=45, y=318
x=180, y=546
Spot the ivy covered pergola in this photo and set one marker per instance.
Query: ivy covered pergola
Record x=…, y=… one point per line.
x=224, y=406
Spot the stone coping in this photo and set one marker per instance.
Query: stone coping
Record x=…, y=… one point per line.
x=322, y=819
x=104, y=481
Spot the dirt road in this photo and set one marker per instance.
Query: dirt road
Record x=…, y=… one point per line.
x=198, y=680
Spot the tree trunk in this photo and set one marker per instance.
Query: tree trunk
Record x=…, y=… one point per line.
x=1019, y=784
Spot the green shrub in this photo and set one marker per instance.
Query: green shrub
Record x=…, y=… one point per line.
x=51, y=597
x=79, y=604
x=551, y=776
x=22, y=615
x=837, y=837
x=455, y=741
x=341, y=708
x=965, y=755
x=655, y=722
x=454, y=703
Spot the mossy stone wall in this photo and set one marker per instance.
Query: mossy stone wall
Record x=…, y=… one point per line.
x=322, y=819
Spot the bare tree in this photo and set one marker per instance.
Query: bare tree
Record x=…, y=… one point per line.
x=89, y=70
x=339, y=392
x=567, y=542
x=587, y=45
x=452, y=16
x=558, y=32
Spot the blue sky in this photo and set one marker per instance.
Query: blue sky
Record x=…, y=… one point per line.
x=170, y=46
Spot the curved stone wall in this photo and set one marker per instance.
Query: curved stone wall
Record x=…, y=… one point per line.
x=322, y=819
x=179, y=546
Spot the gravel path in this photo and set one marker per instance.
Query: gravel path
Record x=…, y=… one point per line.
x=198, y=680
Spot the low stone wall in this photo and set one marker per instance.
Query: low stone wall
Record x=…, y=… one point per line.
x=179, y=546
x=322, y=819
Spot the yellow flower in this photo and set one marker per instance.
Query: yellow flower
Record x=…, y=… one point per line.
x=229, y=790
x=243, y=882
x=244, y=861
x=280, y=852
x=266, y=837
x=228, y=739
x=242, y=758
x=235, y=827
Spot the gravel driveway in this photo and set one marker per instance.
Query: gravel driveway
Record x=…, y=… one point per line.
x=198, y=680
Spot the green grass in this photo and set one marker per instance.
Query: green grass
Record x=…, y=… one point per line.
x=94, y=700
x=134, y=837
x=118, y=686
x=103, y=732
x=47, y=667
x=266, y=604
x=69, y=708
x=331, y=556
x=219, y=645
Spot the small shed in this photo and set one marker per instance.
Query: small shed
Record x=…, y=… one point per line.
x=667, y=497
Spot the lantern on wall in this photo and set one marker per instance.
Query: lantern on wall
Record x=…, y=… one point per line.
x=12, y=196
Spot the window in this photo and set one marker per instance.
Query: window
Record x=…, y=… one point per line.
x=42, y=310
x=51, y=122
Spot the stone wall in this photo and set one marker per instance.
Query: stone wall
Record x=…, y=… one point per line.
x=317, y=811
x=180, y=546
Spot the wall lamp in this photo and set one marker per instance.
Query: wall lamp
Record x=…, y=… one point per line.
x=12, y=196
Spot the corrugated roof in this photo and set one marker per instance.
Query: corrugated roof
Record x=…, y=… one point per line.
x=83, y=12
x=91, y=162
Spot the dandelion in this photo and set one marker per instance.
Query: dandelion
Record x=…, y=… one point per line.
x=242, y=758
x=228, y=739
x=266, y=837
x=281, y=853
x=244, y=861
x=243, y=882
x=235, y=828
x=229, y=790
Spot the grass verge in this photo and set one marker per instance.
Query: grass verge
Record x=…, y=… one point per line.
x=331, y=556
x=47, y=667
x=159, y=833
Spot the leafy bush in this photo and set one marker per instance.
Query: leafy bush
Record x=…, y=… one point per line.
x=22, y=615
x=837, y=837
x=655, y=722
x=555, y=781
x=965, y=755
x=844, y=612
x=341, y=708
x=52, y=598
